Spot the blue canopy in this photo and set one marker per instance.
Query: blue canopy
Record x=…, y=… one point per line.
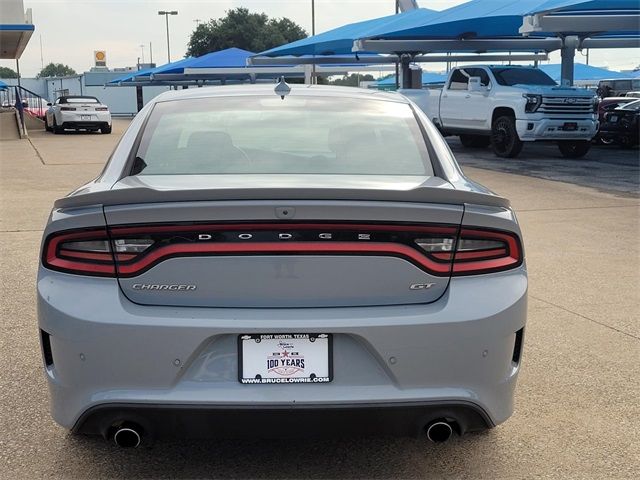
x=147, y=72
x=581, y=72
x=3, y=86
x=427, y=78
x=474, y=19
x=228, y=58
x=340, y=40
x=231, y=57
x=584, y=5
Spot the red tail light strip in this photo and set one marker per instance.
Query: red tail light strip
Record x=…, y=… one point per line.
x=106, y=257
x=72, y=266
x=496, y=252
x=313, y=248
x=181, y=240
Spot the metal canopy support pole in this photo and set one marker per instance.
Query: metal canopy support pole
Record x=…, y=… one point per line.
x=567, y=55
x=18, y=70
x=139, y=98
x=166, y=17
x=308, y=74
x=397, y=64
x=313, y=32
x=405, y=60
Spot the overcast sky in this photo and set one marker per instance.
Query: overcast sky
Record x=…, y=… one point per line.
x=72, y=29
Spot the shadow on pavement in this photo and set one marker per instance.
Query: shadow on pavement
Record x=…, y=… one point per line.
x=372, y=457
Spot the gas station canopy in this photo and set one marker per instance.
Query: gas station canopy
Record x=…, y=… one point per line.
x=16, y=28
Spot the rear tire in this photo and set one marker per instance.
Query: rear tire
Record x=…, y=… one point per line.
x=106, y=129
x=504, y=138
x=56, y=129
x=475, y=141
x=574, y=148
x=605, y=140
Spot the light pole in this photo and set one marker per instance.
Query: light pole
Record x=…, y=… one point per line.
x=166, y=14
x=313, y=32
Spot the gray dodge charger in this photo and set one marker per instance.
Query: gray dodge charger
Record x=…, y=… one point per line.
x=280, y=262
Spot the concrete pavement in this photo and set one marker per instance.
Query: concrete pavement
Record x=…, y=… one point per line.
x=577, y=399
x=606, y=168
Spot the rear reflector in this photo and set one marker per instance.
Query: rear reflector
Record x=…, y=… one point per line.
x=440, y=250
x=47, y=354
x=517, y=346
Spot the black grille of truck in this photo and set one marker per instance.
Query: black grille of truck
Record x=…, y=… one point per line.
x=558, y=105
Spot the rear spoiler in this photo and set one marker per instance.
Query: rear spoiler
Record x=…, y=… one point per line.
x=141, y=195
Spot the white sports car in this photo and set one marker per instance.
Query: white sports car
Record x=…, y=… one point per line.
x=77, y=113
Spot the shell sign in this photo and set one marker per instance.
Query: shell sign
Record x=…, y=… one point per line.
x=100, y=58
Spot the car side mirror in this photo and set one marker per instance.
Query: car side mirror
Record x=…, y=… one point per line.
x=49, y=104
x=475, y=85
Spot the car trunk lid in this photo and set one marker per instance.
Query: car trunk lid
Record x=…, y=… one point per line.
x=292, y=242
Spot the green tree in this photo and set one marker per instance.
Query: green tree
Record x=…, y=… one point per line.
x=255, y=32
x=6, y=72
x=56, y=70
x=352, y=80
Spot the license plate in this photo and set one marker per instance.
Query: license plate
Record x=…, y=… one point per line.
x=85, y=117
x=285, y=358
x=570, y=126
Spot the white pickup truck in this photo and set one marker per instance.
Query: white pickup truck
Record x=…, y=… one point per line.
x=507, y=105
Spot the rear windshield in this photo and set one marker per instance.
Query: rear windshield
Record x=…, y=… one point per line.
x=79, y=100
x=521, y=76
x=270, y=135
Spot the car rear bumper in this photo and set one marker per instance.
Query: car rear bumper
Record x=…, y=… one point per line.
x=81, y=120
x=111, y=355
x=553, y=129
x=84, y=125
x=202, y=421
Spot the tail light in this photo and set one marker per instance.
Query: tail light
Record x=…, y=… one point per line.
x=476, y=251
x=67, y=109
x=129, y=251
x=89, y=252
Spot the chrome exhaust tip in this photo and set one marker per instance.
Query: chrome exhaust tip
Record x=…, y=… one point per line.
x=439, y=431
x=127, y=436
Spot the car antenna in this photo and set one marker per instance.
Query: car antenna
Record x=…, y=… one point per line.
x=282, y=88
